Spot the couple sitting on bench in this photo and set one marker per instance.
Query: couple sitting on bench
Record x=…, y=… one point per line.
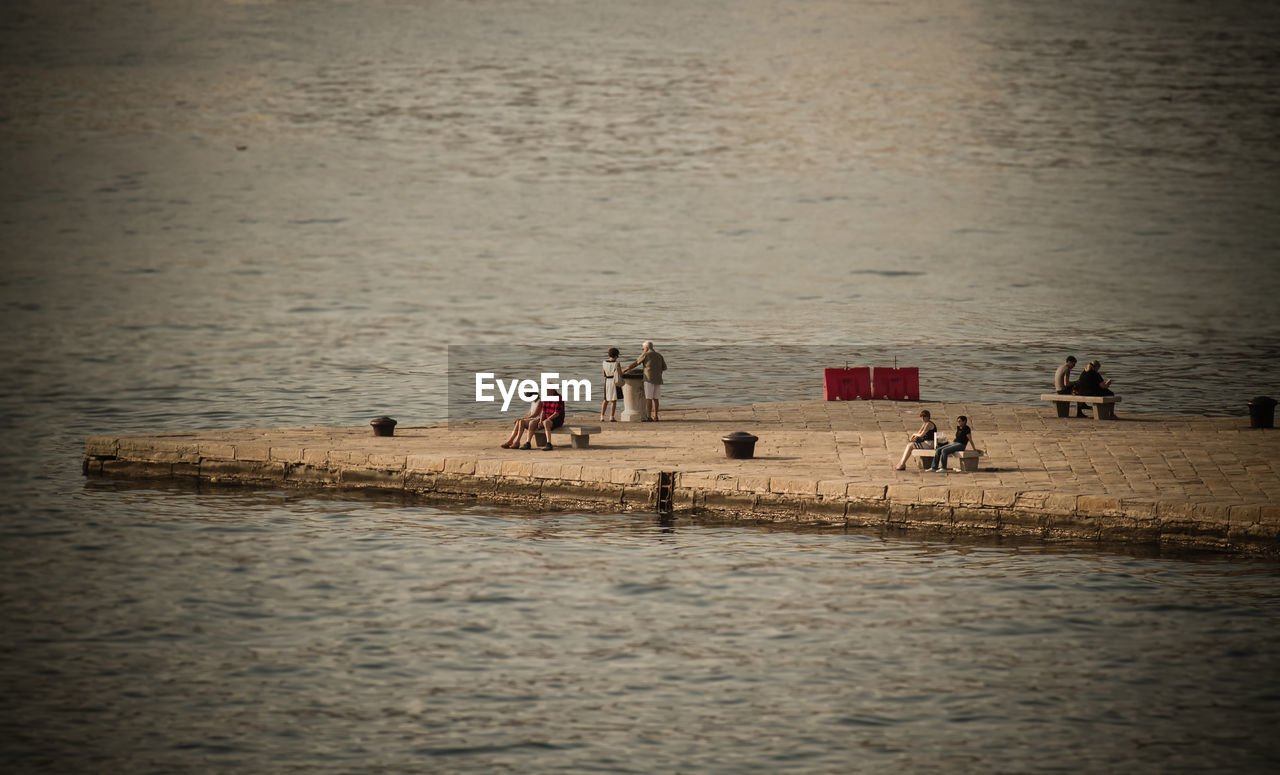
x=546, y=415
x=1091, y=382
x=926, y=438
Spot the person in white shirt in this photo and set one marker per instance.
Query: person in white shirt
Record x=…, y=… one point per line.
x=612, y=371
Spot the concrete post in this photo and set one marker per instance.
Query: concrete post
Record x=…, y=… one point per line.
x=634, y=409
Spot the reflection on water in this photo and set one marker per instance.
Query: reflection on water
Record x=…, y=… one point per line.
x=274, y=632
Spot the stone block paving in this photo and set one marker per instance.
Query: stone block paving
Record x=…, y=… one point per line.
x=1205, y=460
x=808, y=444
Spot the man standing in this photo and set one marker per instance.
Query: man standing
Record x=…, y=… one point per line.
x=654, y=364
x=1062, y=383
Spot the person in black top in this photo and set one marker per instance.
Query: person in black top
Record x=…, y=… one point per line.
x=1091, y=382
x=920, y=439
x=964, y=437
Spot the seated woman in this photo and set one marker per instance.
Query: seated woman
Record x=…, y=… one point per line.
x=544, y=414
x=522, y=424
x=921, y=439
x=611, y=370
x=964, y=437
x=1091, y=382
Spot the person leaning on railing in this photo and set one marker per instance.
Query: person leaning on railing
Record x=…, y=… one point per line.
x=654, y=364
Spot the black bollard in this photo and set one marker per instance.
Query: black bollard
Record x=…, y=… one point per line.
x=739, y=445
x=1262, y=412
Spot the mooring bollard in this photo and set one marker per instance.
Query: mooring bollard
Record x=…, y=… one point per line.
x=383, y=426
x=1262, y=412
x=739, y=445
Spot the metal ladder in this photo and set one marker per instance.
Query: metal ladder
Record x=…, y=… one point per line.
x=666, y=491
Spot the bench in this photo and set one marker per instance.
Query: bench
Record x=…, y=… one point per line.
x=579, y=435
x=1103, y=406
x=968, y=458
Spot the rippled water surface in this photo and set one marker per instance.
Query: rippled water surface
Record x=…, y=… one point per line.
x=225, y=213
x=292, y=207
x=274, y=633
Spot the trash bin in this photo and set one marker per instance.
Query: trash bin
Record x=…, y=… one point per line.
x=739, y=445
x=1262, y=412
x=383, y=426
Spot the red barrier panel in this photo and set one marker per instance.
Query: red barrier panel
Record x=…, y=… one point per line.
x=846, y=384
x=832, y=384
x=896, y=384
x=910, y=383
x=859, y=386
x=884, y=383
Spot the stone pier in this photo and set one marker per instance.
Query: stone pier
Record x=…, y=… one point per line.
x=1188, y=482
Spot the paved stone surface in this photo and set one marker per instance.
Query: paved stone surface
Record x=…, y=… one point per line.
x=1203, y=460
x=812, y=456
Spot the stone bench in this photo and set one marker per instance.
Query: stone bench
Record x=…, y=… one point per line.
x=579, y=435
x=1103, y=406
x=968, y=458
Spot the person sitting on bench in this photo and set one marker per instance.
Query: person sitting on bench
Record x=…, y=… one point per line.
x=1091, y=382
x=1062, y=383
x=964, y=437
x=545, y=415
x=921, y=439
